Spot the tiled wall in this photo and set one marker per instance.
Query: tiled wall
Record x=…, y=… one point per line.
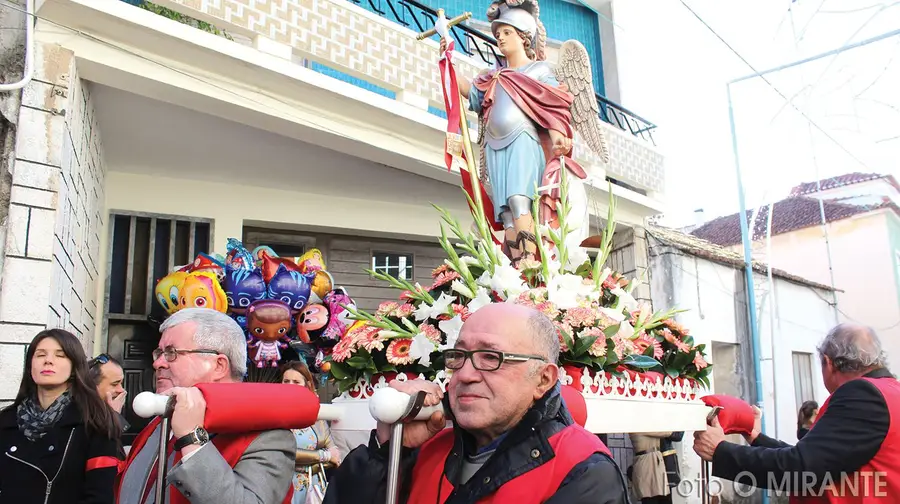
x=52, y=245
x=348, y=39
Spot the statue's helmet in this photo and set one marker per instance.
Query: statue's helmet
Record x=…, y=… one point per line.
x=516, y=17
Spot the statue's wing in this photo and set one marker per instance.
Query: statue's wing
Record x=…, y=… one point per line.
x=574, y=70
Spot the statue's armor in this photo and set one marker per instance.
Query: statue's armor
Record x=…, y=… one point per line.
x=507, y=121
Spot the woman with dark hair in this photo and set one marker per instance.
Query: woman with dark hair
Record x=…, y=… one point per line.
x=809, y=410
x=315, y=448
x=59, y=439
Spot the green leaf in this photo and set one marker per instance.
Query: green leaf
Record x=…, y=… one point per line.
x=640, y=361
x=584, y=344
x=681, y=360
x=689, y=340
x=567, y=338
x=358, y=361
x=612, y=330
x=339, y=371
x=672, y=372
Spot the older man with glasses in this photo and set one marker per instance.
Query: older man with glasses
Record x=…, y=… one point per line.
x=512, y=440
x=200, y=345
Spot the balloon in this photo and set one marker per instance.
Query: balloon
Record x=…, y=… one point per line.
x=290, y=287
x=268, y=323
x=311, y=322
x=259, y=253
x=338, y=317
x=321, y=286
x=243, y=287
x=312, y=260
x=270, y=266
x=168, y=290
x=202, y=290
x=237, y=256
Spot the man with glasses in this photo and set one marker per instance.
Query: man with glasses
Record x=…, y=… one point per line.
x=108, y=377
x=512, y=439
x=200, y=345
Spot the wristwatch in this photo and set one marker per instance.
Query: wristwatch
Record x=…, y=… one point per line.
x=198, y=436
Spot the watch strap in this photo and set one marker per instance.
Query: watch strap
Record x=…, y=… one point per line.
x=188, y=439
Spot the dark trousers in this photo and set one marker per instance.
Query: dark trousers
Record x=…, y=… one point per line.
x=660, y=499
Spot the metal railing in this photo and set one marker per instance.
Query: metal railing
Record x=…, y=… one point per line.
x=475, y=43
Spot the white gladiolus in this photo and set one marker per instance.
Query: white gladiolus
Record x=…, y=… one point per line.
x=451, y=328
x=421, y=349
x=388, y=334
x=481, y=299
x=461, y=288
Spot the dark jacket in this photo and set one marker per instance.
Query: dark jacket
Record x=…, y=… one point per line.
x=362, y=477
x=61, y=456
x=843, y=439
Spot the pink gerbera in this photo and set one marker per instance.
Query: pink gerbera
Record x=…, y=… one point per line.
x=398, y=351
x=622, y=347
x=443, y=279
x=431, y=332
x=699, y=361
x=405, y=310
x=460, y=310
x=645, y=341
x=682, y=346
x=440, y=269
x=342, y=350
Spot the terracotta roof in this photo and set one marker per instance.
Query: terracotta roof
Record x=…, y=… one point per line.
x=789, y=215
x=712, y=252
x=840, y=181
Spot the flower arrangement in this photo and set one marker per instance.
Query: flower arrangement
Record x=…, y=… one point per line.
x=602, y=327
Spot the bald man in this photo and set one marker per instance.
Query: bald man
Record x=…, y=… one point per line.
x=512, y=439
x=851, y=453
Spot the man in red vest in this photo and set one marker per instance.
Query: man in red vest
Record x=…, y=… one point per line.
x=852, y=452
x=200, y=345
x=513, y=440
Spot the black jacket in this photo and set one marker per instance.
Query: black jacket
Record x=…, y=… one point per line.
x=842, y=440
x=61, y=457
x=362, y=477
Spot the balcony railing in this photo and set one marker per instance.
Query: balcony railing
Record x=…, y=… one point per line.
x=419, y=17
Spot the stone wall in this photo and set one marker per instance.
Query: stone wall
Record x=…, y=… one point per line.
x=55, y=214
x=377, y=50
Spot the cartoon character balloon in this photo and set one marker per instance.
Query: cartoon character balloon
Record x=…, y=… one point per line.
x=237, y=256
x=242, y=288
x=290, y=287
x=268, y=323
x=311, y=321
x=338, y=318
x=202, y=290
x=168, y=291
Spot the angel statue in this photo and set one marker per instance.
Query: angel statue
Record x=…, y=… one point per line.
x=528, y=110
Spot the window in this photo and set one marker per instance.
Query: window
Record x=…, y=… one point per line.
x=396, y=265
x=803, y=378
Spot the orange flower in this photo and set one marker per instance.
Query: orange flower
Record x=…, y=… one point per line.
x=645, y=341
x=699, y=361
x=398, y=351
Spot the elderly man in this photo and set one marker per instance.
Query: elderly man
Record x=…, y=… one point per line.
x=200, y=345
x=108, y=376
x=852, y=452
x=513, y=441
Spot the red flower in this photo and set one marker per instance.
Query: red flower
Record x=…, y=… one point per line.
x=460, y=310
x=440, y=269
x=443, y=279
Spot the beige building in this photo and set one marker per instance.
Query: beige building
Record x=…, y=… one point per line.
x=862, y=251
x=140, y=141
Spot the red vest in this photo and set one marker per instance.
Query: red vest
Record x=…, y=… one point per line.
x=231, y=447
x=571, y=446
x=878, y=481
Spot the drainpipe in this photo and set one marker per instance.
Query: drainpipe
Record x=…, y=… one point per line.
x=29, y=50
x=748, y=271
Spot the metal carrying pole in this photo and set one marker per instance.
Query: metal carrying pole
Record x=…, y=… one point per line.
x=395, y=447
x=162, y=460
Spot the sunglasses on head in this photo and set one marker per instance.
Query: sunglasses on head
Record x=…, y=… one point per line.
x=99, y=360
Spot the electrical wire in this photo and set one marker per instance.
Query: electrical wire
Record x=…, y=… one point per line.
x=774, y=88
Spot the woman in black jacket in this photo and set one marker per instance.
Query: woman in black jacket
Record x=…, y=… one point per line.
x=59, y=440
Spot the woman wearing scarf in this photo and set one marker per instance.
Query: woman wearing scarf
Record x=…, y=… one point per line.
x=315, y=448
x=59, y=440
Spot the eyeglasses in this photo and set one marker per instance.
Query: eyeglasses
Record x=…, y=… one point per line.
x=172, y=353
x=484, y=360
x=100, y=359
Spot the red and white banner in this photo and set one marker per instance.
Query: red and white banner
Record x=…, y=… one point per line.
x=453, y=146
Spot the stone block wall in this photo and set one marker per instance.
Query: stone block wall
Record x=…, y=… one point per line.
x=350, y=39
x=55, y=214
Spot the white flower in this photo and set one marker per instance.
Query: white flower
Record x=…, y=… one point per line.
x=451, y=328
x=441, y=306
x=577, y=257
x=458, y=286
x=564, y=290
x=507, y=281
x=421, y=349
x=615, y=315
x=481, y=298
x=469, y=260
x=388, y=334
x=626, y=330
x=626, y=300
